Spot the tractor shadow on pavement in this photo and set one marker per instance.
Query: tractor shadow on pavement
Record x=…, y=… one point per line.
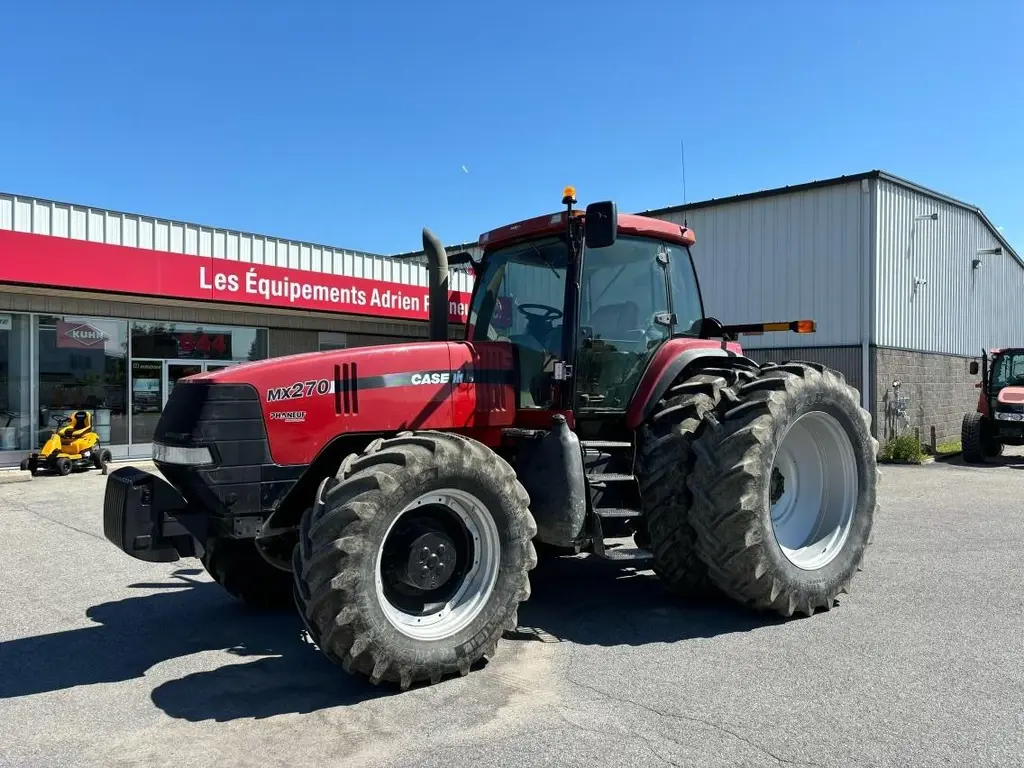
x=189, y=615
x=589, y=601
x=1013, y=458
x=580, y=600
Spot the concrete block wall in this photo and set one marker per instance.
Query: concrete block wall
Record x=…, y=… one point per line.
x=939, y=388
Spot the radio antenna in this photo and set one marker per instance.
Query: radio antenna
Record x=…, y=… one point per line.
x=682, y=162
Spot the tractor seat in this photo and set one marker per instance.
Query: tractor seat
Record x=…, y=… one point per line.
x=614, y=321
x=80, y=425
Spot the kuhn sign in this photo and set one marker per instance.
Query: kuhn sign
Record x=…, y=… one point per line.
x=80, y=336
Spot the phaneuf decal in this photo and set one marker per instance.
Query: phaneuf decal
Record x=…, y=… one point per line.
x=292, y=417
x=253, y=284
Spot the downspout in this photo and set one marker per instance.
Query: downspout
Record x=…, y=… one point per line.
x=437, y=272
x=868, y=227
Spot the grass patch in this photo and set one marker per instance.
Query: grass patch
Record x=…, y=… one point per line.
x=904, y=448
x=948, y=449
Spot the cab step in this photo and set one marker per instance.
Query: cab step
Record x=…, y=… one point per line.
x=614, y=513
x=605, y=445
x=626, y=554
x=610, y=477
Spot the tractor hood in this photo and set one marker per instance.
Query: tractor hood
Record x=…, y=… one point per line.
x=309, y=399
x=1011, y=396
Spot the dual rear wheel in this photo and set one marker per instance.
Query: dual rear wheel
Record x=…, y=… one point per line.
x=759, y=482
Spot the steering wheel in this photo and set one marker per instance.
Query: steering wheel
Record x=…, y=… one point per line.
x=61, y=420
x=550, y=313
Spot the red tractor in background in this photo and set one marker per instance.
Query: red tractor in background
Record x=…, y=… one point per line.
x=999, y=417
x=398, y=494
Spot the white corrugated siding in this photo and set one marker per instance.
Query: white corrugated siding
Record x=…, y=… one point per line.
x=785, y=257
x=959, y=310
x=45, y=217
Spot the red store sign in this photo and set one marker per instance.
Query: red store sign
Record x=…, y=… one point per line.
x=43, y=260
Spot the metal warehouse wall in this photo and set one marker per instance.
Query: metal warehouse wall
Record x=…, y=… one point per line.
x=45, y=217
x=785, y=257
x=845, y=360
x=958, y=310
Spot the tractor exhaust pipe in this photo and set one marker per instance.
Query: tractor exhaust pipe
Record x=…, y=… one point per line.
x=437, y=270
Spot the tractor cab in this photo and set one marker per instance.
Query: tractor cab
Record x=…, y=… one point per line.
x=1002, y=377
x=586, y=299
x=998, y=419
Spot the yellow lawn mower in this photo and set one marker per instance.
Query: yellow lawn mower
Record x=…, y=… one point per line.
x=72, y=446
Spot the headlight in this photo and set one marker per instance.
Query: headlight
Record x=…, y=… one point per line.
x=175, y=454
x=1004, y=416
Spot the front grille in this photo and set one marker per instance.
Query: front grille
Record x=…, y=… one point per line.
x=225, y=416
x=228, y=419
x=113, y=509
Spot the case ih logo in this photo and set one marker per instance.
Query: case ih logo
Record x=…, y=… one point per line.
x=80, y=336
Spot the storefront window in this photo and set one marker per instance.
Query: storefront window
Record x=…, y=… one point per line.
x=83, y=366
x=186, y=341
x=330, y=340
x=165, y=352
x=15, y=383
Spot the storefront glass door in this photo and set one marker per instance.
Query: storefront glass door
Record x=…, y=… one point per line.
x=175, y=371
x=152, y=382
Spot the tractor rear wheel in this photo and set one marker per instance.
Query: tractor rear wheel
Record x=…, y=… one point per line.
x=238, y=566
x=976, y=439
x=414, y=558
x=784, y=489
x=664, y=461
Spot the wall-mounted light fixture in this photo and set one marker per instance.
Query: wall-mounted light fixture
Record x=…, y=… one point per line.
x=934, y=216
x=976, y=261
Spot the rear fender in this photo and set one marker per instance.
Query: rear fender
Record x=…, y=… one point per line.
x=672, y=360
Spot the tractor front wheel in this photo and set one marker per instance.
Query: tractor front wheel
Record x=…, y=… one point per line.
x=976, y=439
x=414, y=558
x=784, y=489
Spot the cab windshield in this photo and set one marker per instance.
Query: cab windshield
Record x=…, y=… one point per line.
x=520, y=299
x=1008, y=370
x=634, y=294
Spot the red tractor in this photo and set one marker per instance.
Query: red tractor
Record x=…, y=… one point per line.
x=399, y=494
x=999, y=417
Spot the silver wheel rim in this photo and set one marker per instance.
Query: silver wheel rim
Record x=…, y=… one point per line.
x=813, y=514
x=477, y=583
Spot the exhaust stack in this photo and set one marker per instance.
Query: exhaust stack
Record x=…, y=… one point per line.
x=437, y=270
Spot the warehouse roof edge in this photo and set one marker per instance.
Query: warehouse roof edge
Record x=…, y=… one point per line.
x=876, y=174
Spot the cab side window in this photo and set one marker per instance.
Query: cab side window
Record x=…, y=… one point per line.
x=685, y=294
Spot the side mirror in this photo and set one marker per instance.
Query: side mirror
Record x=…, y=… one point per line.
x=601, y=225
x=711, y=328
x=974, y=368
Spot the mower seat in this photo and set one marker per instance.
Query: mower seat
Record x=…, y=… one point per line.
x=80, y=425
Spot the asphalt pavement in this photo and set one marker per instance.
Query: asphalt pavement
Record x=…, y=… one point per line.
x=108, y=661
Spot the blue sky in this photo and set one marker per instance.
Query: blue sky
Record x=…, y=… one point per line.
x=355, y=124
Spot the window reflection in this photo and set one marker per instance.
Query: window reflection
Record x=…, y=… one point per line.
x=83, y=365
x=15, y=382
